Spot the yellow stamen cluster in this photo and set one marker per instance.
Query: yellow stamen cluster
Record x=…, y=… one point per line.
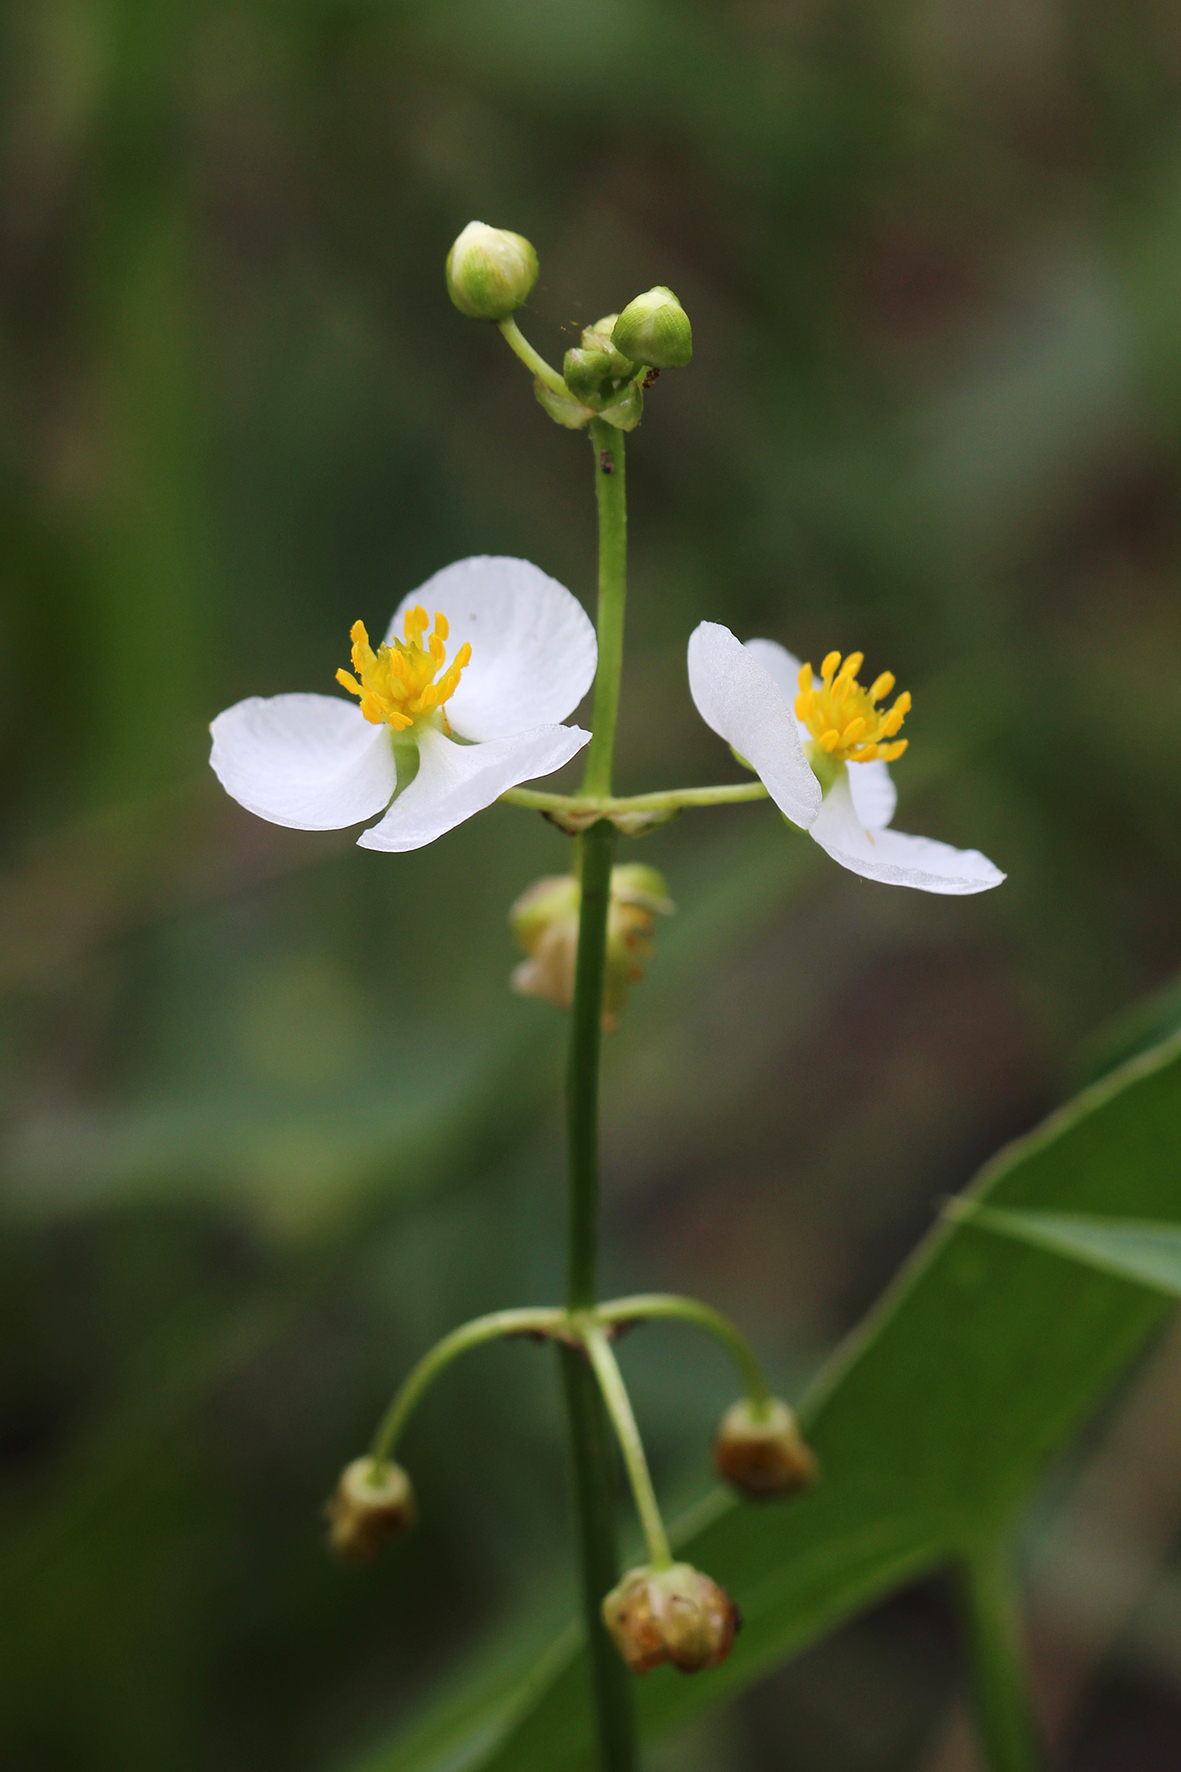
x=397, y=683
x=844, y=718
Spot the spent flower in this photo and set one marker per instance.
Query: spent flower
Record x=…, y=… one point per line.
x=544, y=922
x=674, y=1614
x=446, y=716
x=822, y=746
x=372, y=1502
x=759, y=1450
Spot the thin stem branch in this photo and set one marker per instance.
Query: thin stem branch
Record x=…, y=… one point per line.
x=611, y=497
x=624, y=1422
x=1004, y=1713
x=690, y=1310
x=533, y=359
x=668, y=800
x=468, y=1335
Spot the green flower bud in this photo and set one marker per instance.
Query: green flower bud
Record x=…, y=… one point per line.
x=654, y=329
x=598, y=338
x=674, y=1614
x=626, y=411
x=373, y=1501
x=569, y=412
x=762, y=1455
x=585, y=371
x=490, y=272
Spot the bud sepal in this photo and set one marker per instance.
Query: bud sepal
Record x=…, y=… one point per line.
x=563, y=410
x=674, y=1614
x=373, y=1501
x=760, y=1452
x=490, y=272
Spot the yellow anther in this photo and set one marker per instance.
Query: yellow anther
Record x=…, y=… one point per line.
x=843, y=717
x=400, y=683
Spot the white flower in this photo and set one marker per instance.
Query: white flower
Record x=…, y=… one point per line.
x=455, y=736
x=797, y=731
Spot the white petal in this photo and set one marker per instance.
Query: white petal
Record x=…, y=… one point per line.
x=454, y=781
x=312, y=762
x=744, y=705
x=874, y=794
x=533, y=645
x=894, y=858
x=782, y=666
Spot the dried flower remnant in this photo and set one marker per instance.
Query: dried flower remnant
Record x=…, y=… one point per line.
x=544, y=922
x=373, y=1502
x=761, y=1453
x=674, y=1614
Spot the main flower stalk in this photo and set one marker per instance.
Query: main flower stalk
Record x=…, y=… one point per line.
x=591, y=1450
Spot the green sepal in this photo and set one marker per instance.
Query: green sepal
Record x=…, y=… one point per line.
x=569, y=412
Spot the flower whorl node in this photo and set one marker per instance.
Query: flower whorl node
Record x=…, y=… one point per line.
x=674, y=1614
x=490, y=272
x=373, y=1501
x=761, y=1453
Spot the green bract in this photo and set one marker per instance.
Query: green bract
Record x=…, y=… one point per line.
x=490, y=272
x=654, y=329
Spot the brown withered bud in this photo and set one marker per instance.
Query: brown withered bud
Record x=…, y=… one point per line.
x=763, y=1455
x=373, y=1501
x=675, y=1614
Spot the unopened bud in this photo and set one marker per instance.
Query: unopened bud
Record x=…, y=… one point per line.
x=675, y=1614
x=761, y=1453
x=490, y=272
x=373, y=1501
x=599, y=338
x=584, y=372
x=544, y=922
x=654, y=330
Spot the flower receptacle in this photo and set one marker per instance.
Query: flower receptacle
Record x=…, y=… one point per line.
x=759, y=1451
x=490, y=272
x=373, y=1501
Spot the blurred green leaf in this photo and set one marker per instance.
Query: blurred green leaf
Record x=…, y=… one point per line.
x=932, y=1425
x=1127, y=1247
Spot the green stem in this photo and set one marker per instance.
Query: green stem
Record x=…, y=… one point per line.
x=624, y=1422
x=596, y=851
x=594, y=1495
x=1003, y=1710
x=468, y=1335
x=690, y=1310
x=590, y=1449
x=533, y=359
x=669, y=800
x=611, y=493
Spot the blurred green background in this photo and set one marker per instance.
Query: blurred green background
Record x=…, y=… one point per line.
x=271, y=1119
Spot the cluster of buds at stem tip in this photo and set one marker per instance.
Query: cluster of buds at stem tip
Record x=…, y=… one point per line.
x=490, y=272
x=759, y=1451
x=544, y=922
x=674, y=1614
x=373, y=1501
